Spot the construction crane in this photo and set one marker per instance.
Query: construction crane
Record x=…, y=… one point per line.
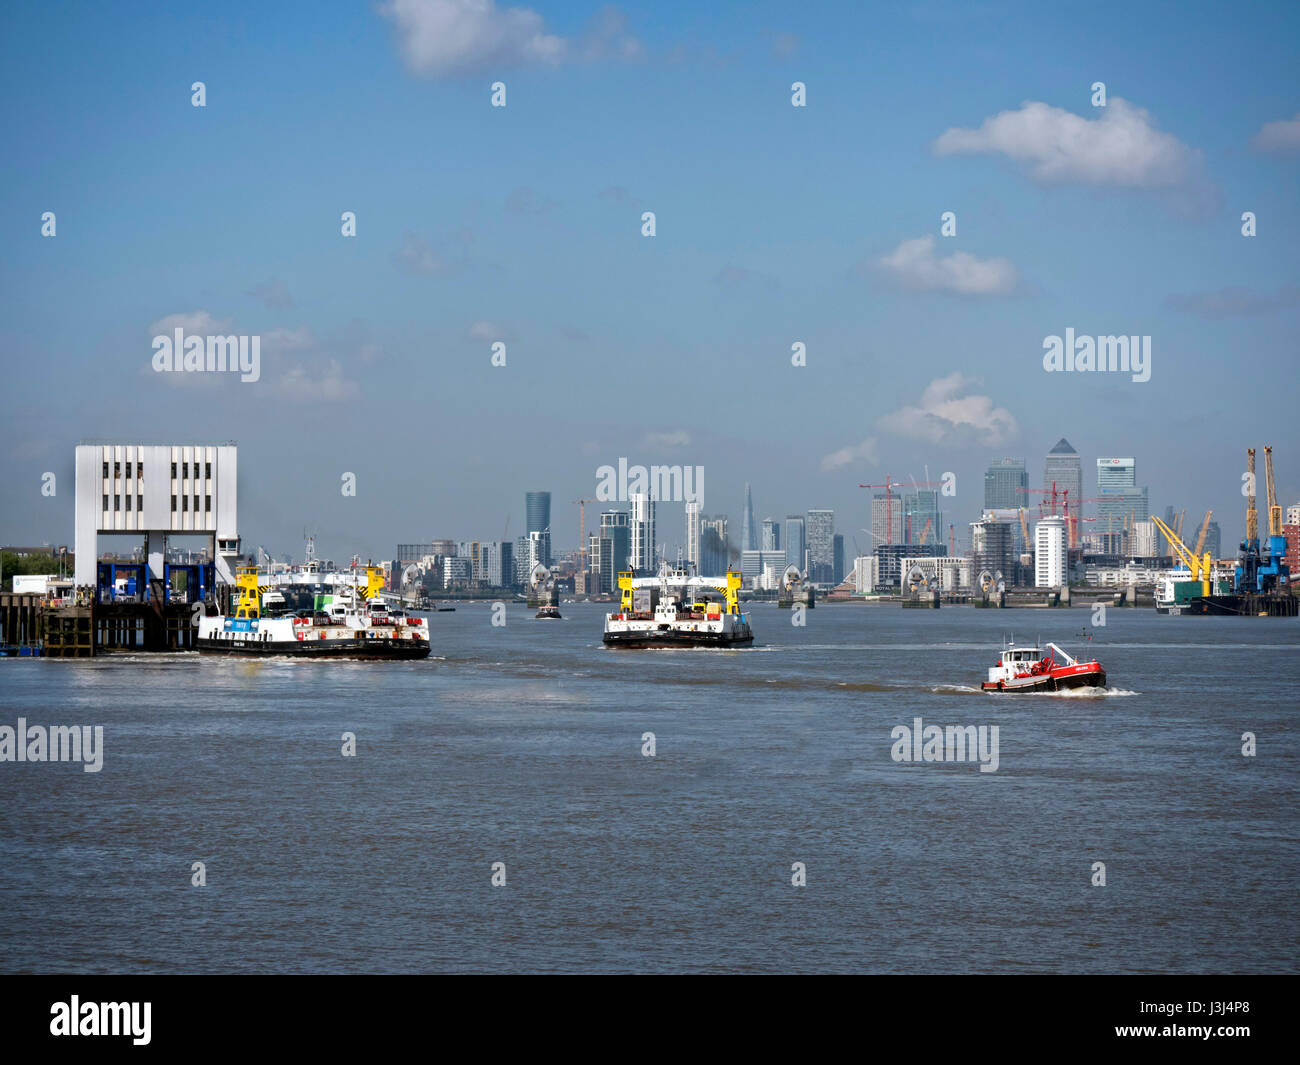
x=1178, y=525
x=1200, y=537
x=889, y=486
x=952, y=541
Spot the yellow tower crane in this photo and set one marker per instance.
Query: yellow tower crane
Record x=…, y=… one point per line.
x=1252, y=515
x=1274, y=511
x=1200, y=537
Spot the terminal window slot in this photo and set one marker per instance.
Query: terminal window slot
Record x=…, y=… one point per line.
x=128, y=469
x=185, y=469
x=139, y=502
x=106, y=471
x=117, y=502
x=185, y=503
x=117, y=469
x=106, y=497
x=173, y=504
x=207, y=504
x=207, y=469
x=128, y=502
x=173, y=470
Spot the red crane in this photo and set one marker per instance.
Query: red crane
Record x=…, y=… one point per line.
x=1069, y=508
x=889, y=486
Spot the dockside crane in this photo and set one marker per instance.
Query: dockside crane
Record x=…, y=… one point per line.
x=1205, y=529
x=1246, y=575
x=1198, y=566
x=1262, y=571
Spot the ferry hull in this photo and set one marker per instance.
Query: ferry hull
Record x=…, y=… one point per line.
x=677, y=639
x=369, y=649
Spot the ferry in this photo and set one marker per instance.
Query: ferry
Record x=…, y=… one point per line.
x=355, y=623
x=676, y=609
x=1029, y=669
x=549, y=612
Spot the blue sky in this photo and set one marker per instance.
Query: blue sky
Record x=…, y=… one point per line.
x=775, y=224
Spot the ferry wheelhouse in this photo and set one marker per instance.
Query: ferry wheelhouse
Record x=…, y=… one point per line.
x=676, y=609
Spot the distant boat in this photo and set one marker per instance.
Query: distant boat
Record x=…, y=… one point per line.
x=549, y=613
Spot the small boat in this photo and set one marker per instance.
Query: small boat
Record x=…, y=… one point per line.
x=676, y=609
x=1030, y=669
x=549, y=613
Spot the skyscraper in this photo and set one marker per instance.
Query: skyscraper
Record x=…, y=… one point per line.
x=693, y=533
x=796, y=540
x=821, y=546
x=748, y=532
x=886, y=519
x=1049, y=553
x=611, y=549
x=1121, y=498
x=1064, y=469
x=1003, y=482
x=837, y=551
x=920, y=509
x=770, y=539
x=537, y=514
x=1213, y=539
x=713, y=546
x=642, y=525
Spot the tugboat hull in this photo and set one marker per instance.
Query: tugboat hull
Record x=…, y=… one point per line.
x=1063, y=680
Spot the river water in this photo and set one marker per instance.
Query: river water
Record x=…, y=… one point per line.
x=523, y=745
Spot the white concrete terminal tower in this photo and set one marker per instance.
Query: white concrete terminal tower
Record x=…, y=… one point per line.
x=156, y=490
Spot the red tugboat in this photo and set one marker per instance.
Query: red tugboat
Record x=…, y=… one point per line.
x=1029, y=669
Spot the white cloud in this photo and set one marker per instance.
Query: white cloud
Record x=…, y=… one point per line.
x=278, y=340
x=676, y=438
x=944, y=411
x=914, y=264
x=447, y=37
x=1280, y=136
x=323, y=382
x=193, y=322
x=851, y=456
x=1119, y=147
x=489, y=332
